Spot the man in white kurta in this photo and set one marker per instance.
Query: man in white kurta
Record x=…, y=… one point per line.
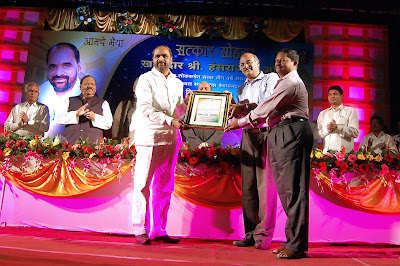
x=159, y=106
x=378, y=141
x=337, y=125
x=30, y=117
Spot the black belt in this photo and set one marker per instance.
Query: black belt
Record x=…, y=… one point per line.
x=287, y=121
x=257, y=130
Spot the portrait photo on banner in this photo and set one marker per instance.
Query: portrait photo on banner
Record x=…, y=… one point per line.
x=58, y=60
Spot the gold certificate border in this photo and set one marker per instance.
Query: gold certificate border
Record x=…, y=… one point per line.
x=197, y=96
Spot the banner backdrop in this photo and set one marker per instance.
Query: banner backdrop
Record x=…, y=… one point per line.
x=116, y=60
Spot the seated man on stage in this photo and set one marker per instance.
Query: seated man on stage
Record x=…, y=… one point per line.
x=378, y=141
x=30, y=117
x=198, y=138
x=86, y=115
x=337, y=125
x=397, y=137
x=122, y=127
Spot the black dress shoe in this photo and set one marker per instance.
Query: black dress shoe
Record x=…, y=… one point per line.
x=244, y=242
x=143, y=239
x=168, y=239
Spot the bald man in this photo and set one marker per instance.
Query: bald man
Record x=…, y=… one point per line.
x=31, y=117
x=160, y=105
x=198, y=138
x=258, y=186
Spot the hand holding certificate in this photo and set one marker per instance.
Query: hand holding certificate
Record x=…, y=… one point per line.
x=208, y=110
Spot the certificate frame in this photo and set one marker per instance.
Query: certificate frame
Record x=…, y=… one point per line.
x=208, y=110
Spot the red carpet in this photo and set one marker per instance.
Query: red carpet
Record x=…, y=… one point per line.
x=33, y=246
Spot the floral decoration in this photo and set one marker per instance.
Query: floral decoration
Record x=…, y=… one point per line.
x=225, y=157
x=337, y=164
x=126, y=23
x=52, y=148
x=168, y=28
x=214, y=28
x=255, y=25
x=85, y=15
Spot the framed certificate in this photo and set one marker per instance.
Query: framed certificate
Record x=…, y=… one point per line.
x=208, y=110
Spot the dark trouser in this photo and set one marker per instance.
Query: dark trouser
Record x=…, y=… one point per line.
x=258, y=188
x=289, y=148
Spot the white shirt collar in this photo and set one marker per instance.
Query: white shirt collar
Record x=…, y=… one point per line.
x=35, y=104
x=259, y=76
x=340, y=107
x=159, y=74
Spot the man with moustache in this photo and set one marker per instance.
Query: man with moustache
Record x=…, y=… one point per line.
x=86, y=115
x=337, y=125
x=289, y=143
x=159, y=107
x=258, y=187
x=30, y=117
x=63, y=67
x=197, y=137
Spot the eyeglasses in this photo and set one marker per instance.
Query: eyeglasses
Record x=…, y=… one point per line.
x=248, y=62
x=88, y=84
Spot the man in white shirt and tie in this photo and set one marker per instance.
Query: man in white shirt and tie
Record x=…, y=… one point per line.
x=30, y=117
x=337, y=125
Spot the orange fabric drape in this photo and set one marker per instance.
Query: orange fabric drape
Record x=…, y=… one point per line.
x=376, y=197
x=55, y=180
x=212, y=187
x=217, y=186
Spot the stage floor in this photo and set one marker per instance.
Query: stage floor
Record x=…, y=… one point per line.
x=34, y=246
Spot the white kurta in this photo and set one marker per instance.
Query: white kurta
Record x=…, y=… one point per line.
x=379, y=143
x=159, y=101
x=38, y=123
x=103, y=121
x=347, y=128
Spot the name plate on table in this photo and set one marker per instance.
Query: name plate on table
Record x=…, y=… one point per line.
x=208, y=110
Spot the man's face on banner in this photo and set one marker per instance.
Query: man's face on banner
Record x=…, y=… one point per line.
x=62, y=69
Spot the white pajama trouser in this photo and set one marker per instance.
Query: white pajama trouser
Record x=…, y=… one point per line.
x=153, y=185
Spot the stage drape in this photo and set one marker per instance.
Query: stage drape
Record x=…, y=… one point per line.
x=280, y=30
x=380, y=195
x=209, y=186
x=212, y=186
x=58, y=178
